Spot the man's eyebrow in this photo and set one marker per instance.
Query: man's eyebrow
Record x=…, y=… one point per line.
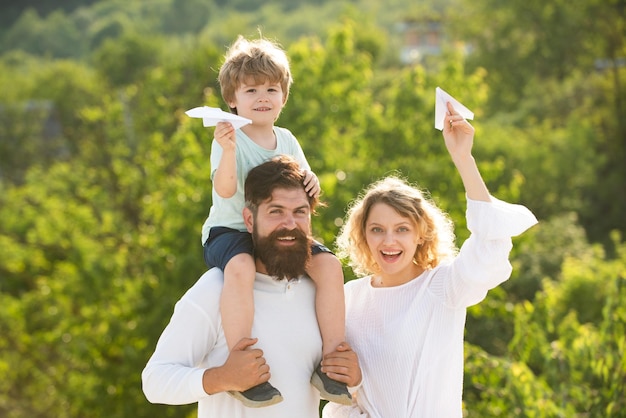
x=279, y=206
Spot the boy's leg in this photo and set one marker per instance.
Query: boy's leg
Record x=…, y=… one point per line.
x=325, y=270
x=237, y=310
x=231, y=251
x=237, y=300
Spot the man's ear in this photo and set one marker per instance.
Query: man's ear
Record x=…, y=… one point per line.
x=248, y=219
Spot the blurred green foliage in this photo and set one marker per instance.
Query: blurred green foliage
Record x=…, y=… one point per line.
x=104, y=182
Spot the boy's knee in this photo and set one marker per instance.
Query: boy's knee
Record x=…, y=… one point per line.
x=241, y=266
x=325, y=266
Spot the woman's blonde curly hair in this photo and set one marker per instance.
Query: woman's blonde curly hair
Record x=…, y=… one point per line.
x=433, y=225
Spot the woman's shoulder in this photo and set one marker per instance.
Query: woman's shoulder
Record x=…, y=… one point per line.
x=356, y=284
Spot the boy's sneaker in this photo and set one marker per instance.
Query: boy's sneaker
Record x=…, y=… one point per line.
x=258, y=396
x=330, y=389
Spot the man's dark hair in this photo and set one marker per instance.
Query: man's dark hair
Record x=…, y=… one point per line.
x=281, y=172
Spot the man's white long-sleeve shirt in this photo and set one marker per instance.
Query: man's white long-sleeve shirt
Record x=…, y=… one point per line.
x=286, y=326
x=409, y=338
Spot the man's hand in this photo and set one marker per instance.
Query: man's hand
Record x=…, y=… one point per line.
x=342, y=365
x=244, y=368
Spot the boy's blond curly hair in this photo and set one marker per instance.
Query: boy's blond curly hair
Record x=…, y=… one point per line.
x=257, y=60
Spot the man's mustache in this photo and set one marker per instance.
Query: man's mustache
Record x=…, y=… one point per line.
x=288, y=233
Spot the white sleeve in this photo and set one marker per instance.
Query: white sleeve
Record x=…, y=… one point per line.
x=335, y=410
x=173, y=375
x=483, y=260
x=498, y=219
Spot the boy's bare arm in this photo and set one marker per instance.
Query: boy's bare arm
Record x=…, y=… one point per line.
x=225, y=178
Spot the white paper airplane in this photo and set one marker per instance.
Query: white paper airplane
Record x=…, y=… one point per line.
x=441, y=98
x=211, y=115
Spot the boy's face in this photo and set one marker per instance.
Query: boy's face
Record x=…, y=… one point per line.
x=262, y=103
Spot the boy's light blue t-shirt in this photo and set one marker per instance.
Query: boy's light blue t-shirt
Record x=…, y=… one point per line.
x=228, y=212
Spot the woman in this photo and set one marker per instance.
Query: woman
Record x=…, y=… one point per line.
x=406, y=318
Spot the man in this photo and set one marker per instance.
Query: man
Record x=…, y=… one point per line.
x=192, y=363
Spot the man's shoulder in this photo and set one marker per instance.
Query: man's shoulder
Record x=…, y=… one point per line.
x=212, y=278
x=210, y=283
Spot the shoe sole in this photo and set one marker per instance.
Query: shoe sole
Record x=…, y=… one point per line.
x=255, y=404
x=319, y=385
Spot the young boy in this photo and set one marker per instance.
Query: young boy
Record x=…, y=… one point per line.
x=255, y=80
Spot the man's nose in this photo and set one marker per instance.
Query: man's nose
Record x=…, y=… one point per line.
x=289, y=221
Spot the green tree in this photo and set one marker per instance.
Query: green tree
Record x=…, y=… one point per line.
x=96, y=237
x=573, y=335
x=126, y=60
x=38, y=120
x=497, y=387
x=560, y=69
x=55, y=36
x=187, y=16
x=99, y=226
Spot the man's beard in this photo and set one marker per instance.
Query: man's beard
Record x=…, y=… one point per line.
x=283, y=261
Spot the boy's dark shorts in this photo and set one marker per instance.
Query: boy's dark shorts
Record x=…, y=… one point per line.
x=225, y=243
